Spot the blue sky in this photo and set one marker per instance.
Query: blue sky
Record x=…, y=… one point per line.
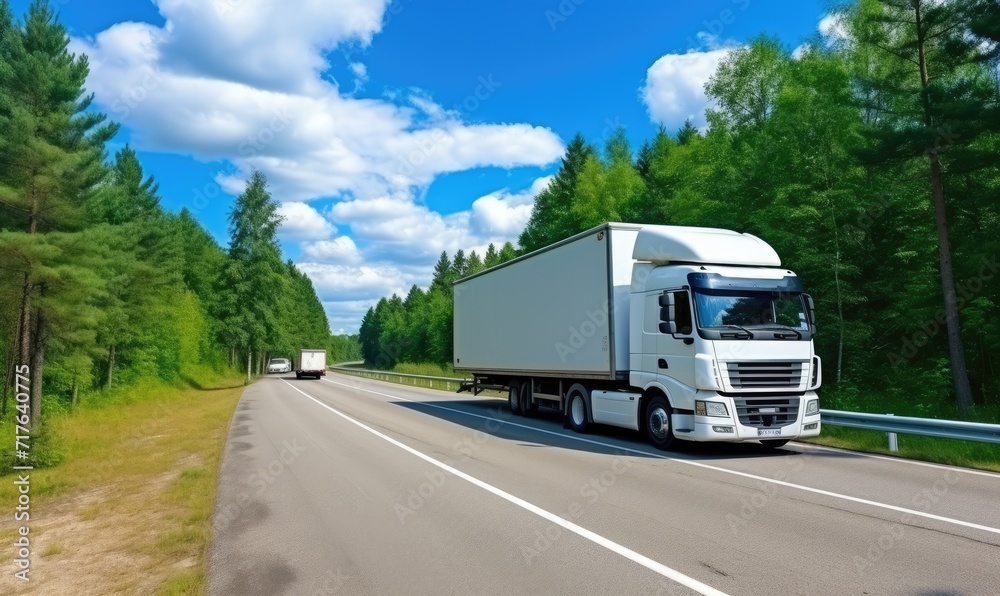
x=391, y=132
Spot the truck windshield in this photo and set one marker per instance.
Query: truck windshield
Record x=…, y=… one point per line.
x=748, y=311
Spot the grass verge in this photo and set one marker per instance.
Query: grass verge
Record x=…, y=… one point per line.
x=129, y=507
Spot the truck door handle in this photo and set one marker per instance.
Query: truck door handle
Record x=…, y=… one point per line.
x=662, y=363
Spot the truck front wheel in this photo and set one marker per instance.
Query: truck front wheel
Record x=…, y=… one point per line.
x=658, y=427
x=577, y=412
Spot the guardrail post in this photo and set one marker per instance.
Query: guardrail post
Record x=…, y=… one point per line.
x=893, y=440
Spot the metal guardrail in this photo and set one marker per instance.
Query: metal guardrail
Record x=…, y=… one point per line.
x=903, y=425
x=384, y=376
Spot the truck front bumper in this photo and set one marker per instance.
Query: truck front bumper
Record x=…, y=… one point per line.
x=733, y=429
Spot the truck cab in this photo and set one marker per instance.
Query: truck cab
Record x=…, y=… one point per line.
x=725, y=335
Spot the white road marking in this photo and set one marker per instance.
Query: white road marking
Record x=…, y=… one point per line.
x=901, y=460
x=630, y=554
x=810, y=489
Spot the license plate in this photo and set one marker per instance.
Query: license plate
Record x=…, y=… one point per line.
x=768, y=432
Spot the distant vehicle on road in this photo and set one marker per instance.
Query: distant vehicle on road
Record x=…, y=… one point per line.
x=279, y=365
x=312, y=363
x=690, y=333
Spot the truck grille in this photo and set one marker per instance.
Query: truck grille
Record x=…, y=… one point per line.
x=764, y=375
x=767, y=412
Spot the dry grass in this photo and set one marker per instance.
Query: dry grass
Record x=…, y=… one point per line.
x=129, y=508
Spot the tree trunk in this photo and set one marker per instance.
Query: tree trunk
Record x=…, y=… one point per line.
x=959, y=372
x=37, y=364
x=111, y=365
x=249, y=360
x=75, y=392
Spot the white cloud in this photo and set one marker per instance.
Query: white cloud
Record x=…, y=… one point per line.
x=341, y=250
x=302, y=222
x=675, y=86
x=401, y=240
x=246, y=87
x=240, y=81
x=832, y=28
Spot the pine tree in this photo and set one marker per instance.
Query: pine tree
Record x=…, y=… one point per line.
x=253, y=279
x=53, y=150
x=552, y=216
x=937, y=96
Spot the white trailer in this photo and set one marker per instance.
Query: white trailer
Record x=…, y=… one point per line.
x=687, y=333
x=312, y=363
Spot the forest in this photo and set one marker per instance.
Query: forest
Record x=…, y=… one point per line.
x=868, y=160
x=101, y=288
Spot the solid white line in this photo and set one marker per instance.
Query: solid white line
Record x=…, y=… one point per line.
x=646, y=562
x=810, y=489
x=901, y=460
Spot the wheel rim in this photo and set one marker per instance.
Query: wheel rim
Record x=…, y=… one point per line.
x=577, y=410
x=659, y=423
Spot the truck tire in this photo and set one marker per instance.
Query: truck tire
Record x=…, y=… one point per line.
x=298, y=375
x=773, y=443
x=528, y=406
x=514, y=398
x=656, y=421
x=576, y=412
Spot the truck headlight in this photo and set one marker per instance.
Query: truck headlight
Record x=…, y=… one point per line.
x=710, y=408
x=812, y=407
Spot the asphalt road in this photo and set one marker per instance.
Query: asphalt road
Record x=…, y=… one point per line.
x=352, y=486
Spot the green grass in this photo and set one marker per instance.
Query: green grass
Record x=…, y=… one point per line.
x=968, y=454
x=136, y=482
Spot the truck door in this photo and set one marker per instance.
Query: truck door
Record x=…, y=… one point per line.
x=674, y=355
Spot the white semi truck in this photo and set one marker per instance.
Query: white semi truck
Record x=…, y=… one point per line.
x=679, y=332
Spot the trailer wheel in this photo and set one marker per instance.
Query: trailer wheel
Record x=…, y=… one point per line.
x=528, y=407
x=773, y=443
x=514, y=398
x=298, y=375
x=658, y=428
x=576, y=413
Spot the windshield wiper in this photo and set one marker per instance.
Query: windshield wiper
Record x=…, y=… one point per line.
x=798, y=334
x=736, y=335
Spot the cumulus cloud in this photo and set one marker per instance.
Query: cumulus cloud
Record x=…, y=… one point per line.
x=341, y=250
x=674, y=90
x=401, y=241
x=303, y=222
x=241, y=81
x=246, y=87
